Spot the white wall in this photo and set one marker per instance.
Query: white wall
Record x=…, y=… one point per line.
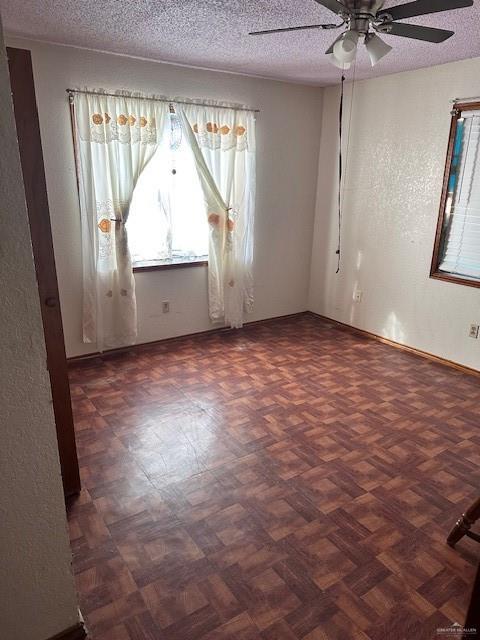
x=396, y=158
x=37, y=595
x=288, y=134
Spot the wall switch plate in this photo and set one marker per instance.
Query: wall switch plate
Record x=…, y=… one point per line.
x=357, y=296
x=165, y=306
x=474, y=329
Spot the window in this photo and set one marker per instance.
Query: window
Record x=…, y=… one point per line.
x=456, y=255
x=167, y=222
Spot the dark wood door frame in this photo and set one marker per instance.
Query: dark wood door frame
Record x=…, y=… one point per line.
x=31, y=156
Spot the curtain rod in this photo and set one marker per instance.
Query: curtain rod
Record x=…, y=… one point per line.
x=193, y=102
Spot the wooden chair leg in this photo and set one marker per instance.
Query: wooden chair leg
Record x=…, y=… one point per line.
x=464, y=524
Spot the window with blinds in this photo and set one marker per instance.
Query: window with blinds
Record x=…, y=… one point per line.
x=457, y=248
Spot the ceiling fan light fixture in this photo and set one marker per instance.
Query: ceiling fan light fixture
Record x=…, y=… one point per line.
x=376, y=48
x=345, y=49
x=338, y=63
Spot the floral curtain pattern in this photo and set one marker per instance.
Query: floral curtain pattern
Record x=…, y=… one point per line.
x=116, y=136
x=223, y=142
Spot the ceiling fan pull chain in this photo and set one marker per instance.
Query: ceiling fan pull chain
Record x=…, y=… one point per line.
x=340, y=169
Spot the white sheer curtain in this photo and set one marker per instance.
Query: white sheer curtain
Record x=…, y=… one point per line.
x=115, y=138
x=223, y=142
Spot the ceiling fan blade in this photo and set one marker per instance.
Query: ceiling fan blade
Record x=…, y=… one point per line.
x=423, y=7
x=333, y=5
x=307, y=26
x=419, y=33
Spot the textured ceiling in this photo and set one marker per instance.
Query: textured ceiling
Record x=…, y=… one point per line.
x=214, y=34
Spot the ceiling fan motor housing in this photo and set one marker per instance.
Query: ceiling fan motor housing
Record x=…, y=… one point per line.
x=360, y=15
x=360, y=23
x=370, y=7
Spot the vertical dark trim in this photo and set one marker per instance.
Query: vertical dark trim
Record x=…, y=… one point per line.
x=456, y=113
x=473, y=614
x=31, y=157
x=74, y=137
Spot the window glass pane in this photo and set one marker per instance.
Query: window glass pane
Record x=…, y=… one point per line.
x=189, y=219
x=167, y=218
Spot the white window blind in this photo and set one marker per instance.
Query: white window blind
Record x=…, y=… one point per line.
x=460, y=250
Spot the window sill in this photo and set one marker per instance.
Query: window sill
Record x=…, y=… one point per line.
x=162, y=265
x=450, y=277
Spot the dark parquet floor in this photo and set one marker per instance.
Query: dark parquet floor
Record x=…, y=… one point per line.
x=289, y=480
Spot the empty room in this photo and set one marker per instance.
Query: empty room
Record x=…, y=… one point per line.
x=240, y=346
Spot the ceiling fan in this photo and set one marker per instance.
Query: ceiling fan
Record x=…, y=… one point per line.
x=366, y=18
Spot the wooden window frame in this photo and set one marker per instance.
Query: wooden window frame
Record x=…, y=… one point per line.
x=165, y=266
x=435, y=273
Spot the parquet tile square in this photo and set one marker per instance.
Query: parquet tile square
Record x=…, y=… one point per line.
x=289, y=481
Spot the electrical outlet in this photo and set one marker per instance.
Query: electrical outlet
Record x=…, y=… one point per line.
x=165, y=306
x=474, y=329
x=357, y=295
